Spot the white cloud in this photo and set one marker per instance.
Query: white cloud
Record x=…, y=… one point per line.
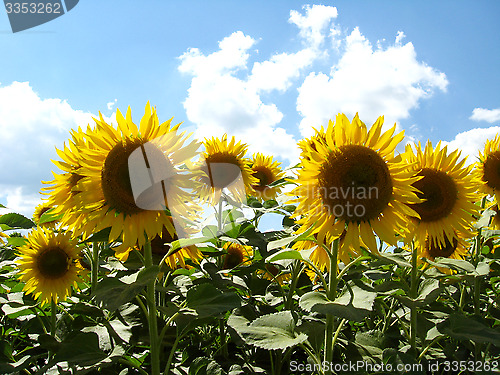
x=110, y=105
x=483, y=114
x=312, y=25
x=388, y=82
x=31, y=128
x=472, y=141
x=225, y=94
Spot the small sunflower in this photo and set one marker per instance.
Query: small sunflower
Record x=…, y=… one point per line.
x=39, y=211
x=273, y=273
x=310, y=143
x=236, y=254
x=448, y=191
x=223, y=167
x=105, y=188
x=266, y=171
x=49, y=265
x=488, y=168
x=161, y=245
x=353, y=183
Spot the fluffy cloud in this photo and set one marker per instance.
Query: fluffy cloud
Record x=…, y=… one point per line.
x=31, y=127
x=488, y=115
x=472, y=141
x=388, y=82
x=225, y=94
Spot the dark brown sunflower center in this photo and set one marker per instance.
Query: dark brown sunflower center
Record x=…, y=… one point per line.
x=53, y=263
x=437, y=250
x=440, y=194
x=116, y=184
x=492, y=170
x=355, y=183
x=158, y=244
x=233, y=257
x=265, y=177
x=222, y=169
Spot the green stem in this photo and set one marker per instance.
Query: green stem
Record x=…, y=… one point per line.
x=171, y=356
x=127, y=362
x=331, y=294
x=296, y=271
x=413, y=295
x=94, y=265
x=53, y=318
x=310, y=353
x=152, y=314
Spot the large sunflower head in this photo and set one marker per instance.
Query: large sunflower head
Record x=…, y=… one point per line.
x=49, y=265
x=131, y=181
x=488, y=168
x=224, y=167
x=266, y=171
x=236, y=254
x=448, y=191
x=353, y=183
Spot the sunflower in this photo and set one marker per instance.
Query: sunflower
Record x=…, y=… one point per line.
x=354, y=184
x=266, y=171
x=488, y=168
x=307, y=143
x=236, y=254
x=49, y=265
x=39, y=211
x=223, y=167
x=273, y=273
x=448, y=191
x=161, y=245
x=109, y=197
x=63, y=187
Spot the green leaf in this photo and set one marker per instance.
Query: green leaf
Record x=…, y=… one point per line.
x=17, y=241
x=456, y=264
x=461, y=327
x=354, y=304
x=207, y=300
x=205, y=366
x=101, y=236
x=185, y=242
x=113, y=293
x=16, y=221
x=484, y=220
x=271, y=332
x=81, y=348
x=48, y=217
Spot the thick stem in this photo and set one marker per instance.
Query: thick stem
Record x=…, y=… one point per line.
x=413, y=295
x=94, y=265
x=331, y=294
x=152, y=314
x=53, y=318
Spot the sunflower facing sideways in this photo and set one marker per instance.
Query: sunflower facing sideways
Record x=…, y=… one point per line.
x=354, y=184
x=39, y=211
x=105, y=197
x=266, y=171
x=488, y=168
x=236, y=254
x=49, y=265
x=448, y=191
x=224, y=167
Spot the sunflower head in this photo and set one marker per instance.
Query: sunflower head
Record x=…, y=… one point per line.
x=40, y=210
x=236, y=254
x=224, y=167
x=448, y=192
x=49, y=265
x=488, y=168
x=266, y=171
x=353, y=183
x=273, y=273
x=130, y=179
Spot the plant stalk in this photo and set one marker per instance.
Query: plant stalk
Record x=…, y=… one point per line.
x=94, y=265
x=413, y=295
x=331, y=294
x=152, y=314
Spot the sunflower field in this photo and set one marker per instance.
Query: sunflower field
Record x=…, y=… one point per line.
x=147, y=256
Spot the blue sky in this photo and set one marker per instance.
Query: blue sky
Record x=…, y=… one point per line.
x=263, y=71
